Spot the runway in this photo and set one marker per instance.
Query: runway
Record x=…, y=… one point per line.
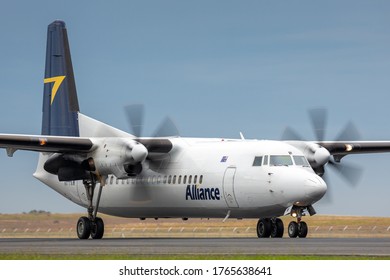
x=190, y=246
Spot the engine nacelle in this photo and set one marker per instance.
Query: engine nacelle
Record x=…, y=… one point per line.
x=119, y=156
x=69, y=167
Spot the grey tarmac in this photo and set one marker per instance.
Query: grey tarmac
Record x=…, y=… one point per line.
x=188, y=246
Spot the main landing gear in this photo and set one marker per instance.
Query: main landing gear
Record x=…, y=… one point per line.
x=270, y=227
x=91, y=226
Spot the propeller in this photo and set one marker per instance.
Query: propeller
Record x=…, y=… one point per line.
x=318, y=118
x=135, y=116
x=318, y=156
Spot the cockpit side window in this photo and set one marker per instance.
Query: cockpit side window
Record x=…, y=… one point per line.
x=283, y=160
x=301, y=161
x=258, y=161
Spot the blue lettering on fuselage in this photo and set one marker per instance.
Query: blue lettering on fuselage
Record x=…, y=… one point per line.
x=194, y=193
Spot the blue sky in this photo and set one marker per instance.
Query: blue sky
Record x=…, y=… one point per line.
x=216, y=68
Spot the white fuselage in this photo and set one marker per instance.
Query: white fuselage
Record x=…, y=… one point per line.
x=209, y=178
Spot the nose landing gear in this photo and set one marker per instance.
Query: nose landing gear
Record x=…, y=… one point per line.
x=299, y=228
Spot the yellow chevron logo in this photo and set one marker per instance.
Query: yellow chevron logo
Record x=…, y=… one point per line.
x=57, y=82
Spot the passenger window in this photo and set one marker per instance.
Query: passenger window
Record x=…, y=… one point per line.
x=165, y=179
x=195, y=179
x=258, y=161
x=201, y=179
x=190, y=179
x=179, y=182
x=174, y=180
x=185, y=179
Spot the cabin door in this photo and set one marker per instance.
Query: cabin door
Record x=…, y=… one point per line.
x=228, y=187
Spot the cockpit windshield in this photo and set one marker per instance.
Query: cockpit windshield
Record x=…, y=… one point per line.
x=280, y=160
x=301, y=161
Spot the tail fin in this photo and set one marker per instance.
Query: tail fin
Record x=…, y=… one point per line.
x=60, y=103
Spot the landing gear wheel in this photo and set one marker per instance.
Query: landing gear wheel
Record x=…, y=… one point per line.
x=97, y=228
x=293, y=229
x=91, y=225
x=83, y=228
x=264, y=228
x=302, y=230
x=277, y=228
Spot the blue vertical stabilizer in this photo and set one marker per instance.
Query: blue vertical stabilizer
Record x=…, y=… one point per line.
x=60, y=104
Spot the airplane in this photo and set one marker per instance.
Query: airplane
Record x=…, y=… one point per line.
x=107, y=170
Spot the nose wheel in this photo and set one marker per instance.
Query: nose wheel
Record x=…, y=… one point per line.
x=297, y=229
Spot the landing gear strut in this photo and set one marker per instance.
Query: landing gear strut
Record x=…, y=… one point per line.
x=91, y=226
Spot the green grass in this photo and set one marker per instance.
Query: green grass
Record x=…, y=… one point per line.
x=20, y=256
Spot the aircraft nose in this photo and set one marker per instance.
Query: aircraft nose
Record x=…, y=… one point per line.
x=315, y=187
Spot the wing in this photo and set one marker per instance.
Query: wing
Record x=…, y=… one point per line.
x=342, y=148
x=66, y=144
x=319, y=153
x=50, y=144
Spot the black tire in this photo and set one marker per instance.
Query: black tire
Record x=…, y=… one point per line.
x=277, y=228
x=264, y=228
x=83, y=228
x=97, y=229
x=293, y=229
x=302, y=230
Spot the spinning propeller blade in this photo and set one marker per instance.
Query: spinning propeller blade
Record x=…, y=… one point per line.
x=318, y=118
x=135, y=116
